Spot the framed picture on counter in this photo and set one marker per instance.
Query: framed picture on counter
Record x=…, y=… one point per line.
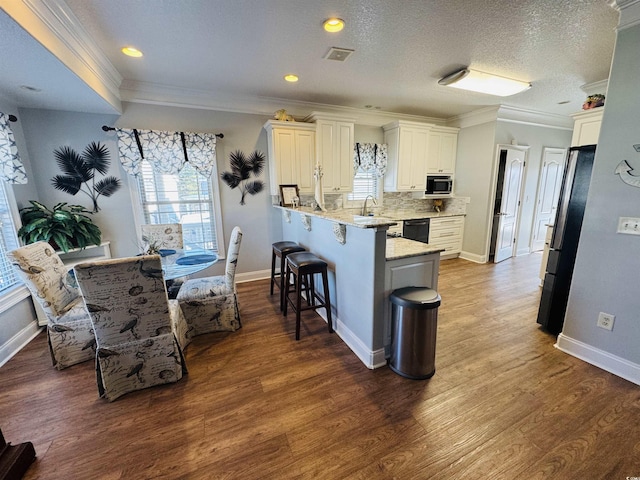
x=287, y=195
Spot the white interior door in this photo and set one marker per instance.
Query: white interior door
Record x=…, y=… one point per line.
x=509, y=203
x=553, y=161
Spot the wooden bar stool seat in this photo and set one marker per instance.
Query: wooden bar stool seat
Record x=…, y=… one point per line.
x=303, y=266
x=281, y=250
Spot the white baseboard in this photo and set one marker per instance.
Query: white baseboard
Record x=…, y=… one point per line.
x=601, y=359
x=18, y=341
x=251, y=276
x=371, y=358
x=472, y=257
x=523, y=251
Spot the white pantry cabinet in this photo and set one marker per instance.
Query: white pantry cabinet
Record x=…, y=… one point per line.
x=407, y=144
x=334, y=151
x=291, y=154
x=446, y=232
x=441, y=150
x=586, y=127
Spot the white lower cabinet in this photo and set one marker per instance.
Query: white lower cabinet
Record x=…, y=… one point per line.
x=447, y=233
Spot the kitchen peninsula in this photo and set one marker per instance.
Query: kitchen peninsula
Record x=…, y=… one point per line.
x=364, y=267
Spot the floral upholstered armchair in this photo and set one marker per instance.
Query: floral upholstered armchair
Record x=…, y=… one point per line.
x=210, y=304
x=135, y=324
x=69, y=329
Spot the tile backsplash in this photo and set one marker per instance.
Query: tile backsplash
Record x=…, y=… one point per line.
x=391, y=201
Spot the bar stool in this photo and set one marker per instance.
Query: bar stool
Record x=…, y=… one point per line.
x=303, y=266
x=281, y=250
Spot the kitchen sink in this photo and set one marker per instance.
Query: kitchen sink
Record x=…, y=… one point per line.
x=365, y=218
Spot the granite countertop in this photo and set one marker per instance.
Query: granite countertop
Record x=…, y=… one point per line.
x=412, y=214
x=383, y=218
x=404, y=248
x=346, y=217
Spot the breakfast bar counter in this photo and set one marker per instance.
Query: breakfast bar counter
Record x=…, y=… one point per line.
x=364, y=266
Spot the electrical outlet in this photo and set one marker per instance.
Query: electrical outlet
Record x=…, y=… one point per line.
x=605, y=320
x=629, y=225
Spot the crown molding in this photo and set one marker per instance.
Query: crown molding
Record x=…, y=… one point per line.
x=165, y=95
x=595, y=87
x=477, y=117
x=629, y=12
x=510, y=114
x=54, y=25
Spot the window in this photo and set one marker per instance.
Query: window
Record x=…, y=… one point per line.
x=8, y=241
x=188, y=198
x=364, y=184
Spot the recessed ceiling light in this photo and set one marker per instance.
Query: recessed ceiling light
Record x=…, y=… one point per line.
x=333, y=25
x=476, y=81
x=131, y=52
x=291, y=78
x=564, y=102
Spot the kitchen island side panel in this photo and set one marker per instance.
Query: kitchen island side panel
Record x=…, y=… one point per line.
x=356, y=280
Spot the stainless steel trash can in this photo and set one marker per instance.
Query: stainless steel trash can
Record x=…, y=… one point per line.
x=414, y=321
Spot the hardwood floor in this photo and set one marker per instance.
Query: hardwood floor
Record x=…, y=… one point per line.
x=504, y=403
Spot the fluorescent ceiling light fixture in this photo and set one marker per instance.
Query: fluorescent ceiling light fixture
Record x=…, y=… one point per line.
x=467, y=79
x=333, y=25
x=291, y=77
x=131, y=52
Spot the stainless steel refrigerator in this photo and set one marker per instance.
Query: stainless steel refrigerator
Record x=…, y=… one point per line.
x=566, y=235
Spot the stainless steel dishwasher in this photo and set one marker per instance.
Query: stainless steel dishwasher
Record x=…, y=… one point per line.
x=416, y=229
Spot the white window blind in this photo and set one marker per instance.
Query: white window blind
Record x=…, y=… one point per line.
x=8, y=241
x=186, y=198
x=364, y=183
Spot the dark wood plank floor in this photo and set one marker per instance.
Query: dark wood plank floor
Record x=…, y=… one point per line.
x=504, y=403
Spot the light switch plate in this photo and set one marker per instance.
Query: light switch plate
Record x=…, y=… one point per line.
x=629, y=225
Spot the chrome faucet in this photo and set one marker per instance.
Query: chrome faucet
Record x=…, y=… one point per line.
x=364, y=206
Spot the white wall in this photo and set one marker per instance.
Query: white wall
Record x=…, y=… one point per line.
x=18, y=322
x=475, y=177
x=48, y=130
x=607, y=266
x=474, y=170
x=536, y=137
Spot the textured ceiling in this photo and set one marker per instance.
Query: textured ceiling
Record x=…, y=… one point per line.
x=240, y=49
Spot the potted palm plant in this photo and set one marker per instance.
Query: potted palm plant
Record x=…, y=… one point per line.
x=63, y=226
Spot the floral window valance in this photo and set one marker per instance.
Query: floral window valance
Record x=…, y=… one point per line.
x=167, y=152
x=370, y=157
x=11, y=168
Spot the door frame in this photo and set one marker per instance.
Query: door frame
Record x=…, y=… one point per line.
x=564, y=152
x=494, y=188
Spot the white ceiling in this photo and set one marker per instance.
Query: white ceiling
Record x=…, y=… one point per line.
x=232, y=54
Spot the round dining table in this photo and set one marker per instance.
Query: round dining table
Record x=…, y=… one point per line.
x=178, y=263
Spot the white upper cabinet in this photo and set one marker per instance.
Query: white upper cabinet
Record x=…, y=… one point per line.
x=442, y=148
x=407, y=144
x=334, y=151
x=291, y=154
x=586, y=127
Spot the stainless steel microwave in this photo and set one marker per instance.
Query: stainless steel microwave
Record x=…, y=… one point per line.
x=439, y=184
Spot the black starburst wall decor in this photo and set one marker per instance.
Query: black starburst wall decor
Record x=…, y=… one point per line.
x=242, y=168
x=80, y=172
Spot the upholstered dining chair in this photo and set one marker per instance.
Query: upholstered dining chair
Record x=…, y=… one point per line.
x=210, y=304
x=69, y=331
x=136, y=326
x=165, y=235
